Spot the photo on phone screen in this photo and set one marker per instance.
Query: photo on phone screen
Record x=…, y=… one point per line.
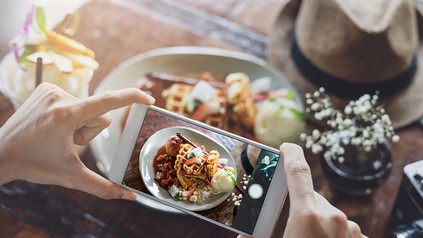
x=212, y=174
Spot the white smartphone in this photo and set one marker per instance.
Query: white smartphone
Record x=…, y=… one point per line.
x=190, y=166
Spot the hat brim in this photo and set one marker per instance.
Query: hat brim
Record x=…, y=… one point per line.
x=404, y=107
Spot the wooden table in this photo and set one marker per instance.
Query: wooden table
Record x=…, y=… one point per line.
x=116, y=31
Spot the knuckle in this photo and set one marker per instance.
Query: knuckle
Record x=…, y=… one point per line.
x=108, y=97
x=298, y=168
x=61, y=113
x=53, y=95
x=310, y=215
x=340, y=219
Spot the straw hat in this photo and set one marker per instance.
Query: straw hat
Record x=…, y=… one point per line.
x=352, y=48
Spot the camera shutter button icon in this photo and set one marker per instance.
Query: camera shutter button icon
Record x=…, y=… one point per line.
x=255, y=191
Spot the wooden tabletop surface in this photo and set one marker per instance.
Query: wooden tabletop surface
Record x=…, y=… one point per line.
x=116, y=31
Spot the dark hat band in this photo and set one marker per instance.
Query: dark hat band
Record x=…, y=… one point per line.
x=344, y=88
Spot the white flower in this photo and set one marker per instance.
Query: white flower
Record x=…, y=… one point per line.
x=395, y=138
x=315, y=106
x=315, y=134
x=362, y=123
x=316, y=148
x=348, y=109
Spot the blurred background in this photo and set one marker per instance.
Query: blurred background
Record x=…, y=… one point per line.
x=14, y=12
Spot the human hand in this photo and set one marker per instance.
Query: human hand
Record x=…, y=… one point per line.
x=38, y=141
x=310, y=214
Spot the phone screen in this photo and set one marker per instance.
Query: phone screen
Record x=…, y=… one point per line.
x=214, y=175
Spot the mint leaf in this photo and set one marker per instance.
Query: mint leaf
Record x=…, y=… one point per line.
x=40, y=18
x=290, y=94
x=271, y=99
x=28, y=51
x=298, y=114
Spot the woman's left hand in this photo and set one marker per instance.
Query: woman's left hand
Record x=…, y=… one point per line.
x=38, y=141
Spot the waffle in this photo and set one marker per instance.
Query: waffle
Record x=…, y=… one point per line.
x=192, y=169
x=212, y=162
x=241, y=98
x=174, y=101
x=188, y=182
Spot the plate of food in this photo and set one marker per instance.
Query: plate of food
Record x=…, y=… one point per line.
x=187, y=168
x=227, y=89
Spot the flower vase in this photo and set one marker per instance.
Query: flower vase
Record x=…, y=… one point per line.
x=360, y=172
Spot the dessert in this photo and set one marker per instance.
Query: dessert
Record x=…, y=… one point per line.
x=187, y=174
x=247, y=108
x=240, y=98
x=201, y=102
x=223, y=181
x=278, y=120
x=66, y=62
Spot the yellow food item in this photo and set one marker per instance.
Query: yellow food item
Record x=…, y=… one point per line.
x=240, y=98
x=63, y=43
x=212, y=162
x=174, y=101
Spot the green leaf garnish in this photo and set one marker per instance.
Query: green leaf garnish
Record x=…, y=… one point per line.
x=298, y=114
x=290, y=94
x=201, y=184
x=190, y=154
x=271, y=99
x=28, y=51
x=231, y=175
x=40, y=18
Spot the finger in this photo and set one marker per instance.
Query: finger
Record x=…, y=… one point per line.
x=101, y=103
x=91, y=129
x=300, y=184
x=354, y=229
x=96, y=185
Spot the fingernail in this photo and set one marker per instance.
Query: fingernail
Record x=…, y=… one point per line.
x=129, y=196
x=151, y=99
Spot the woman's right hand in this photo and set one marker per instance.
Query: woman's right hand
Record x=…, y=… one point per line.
x=310, y=214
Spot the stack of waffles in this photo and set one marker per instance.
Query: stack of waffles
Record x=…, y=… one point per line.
x=174, y=101
x=236, y=111
x=190, y=174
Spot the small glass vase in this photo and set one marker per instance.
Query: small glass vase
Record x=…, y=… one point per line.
x=360, y=172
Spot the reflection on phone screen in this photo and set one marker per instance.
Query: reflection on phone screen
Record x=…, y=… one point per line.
x=213, y=175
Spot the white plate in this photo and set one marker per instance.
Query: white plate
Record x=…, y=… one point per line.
x=171, y=60
x=159, y=138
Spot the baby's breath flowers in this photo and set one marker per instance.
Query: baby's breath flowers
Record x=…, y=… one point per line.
x=363, y=123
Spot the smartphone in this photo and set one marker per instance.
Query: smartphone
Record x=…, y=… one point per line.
x=201, y=170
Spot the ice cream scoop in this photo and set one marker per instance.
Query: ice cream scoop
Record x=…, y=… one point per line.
x=277, y=121
x=223, y=181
